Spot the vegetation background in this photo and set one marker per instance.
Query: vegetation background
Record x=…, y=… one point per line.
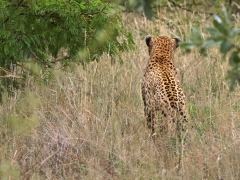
x=86, y=122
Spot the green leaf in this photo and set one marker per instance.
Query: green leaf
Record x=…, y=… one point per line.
x=147, y=10
x=215, y=34
x=234, y=58
x=213, y=31
x=187, y=45
x=235, y=31
x=226, y=15
x=196, y=37
x=225, y=47
x=209, y=43
x=220, y=25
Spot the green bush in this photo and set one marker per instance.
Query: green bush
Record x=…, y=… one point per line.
x=223, y=34
x=41, y=28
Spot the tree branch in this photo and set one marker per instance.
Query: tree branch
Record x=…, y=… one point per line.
x=50, y=14
x=20, y=2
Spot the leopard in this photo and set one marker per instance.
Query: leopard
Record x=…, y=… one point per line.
x=160, y=86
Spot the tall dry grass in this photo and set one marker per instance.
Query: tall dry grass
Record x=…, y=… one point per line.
x=89, y=123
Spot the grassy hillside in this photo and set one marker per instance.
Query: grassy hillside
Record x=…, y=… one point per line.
x=89, y=123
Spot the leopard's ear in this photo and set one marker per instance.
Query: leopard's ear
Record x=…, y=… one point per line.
x=177, y=39
x=148, y=39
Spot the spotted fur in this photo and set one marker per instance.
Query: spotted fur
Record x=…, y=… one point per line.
x=161, y=91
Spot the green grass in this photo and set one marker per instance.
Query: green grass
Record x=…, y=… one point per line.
x=89, y=124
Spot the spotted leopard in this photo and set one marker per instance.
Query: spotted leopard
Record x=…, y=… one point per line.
x=161, y=91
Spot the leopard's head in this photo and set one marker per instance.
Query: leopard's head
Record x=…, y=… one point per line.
x=161, y=45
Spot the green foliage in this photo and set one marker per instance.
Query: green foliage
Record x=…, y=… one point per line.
x=33, y=34
x=40, y=28
x=224, y=35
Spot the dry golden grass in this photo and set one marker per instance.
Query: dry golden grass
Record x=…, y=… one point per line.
x=89, y=124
